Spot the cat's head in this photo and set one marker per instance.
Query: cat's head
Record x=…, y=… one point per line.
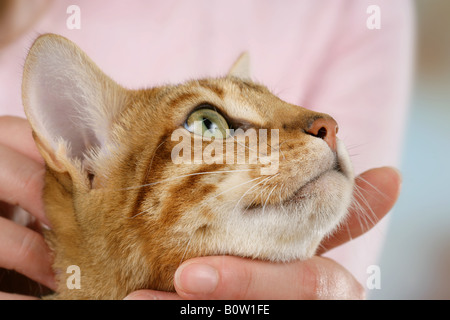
x=140, y=180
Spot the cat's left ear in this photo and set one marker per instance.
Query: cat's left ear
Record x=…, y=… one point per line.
x=241, y=67
x=70, y=103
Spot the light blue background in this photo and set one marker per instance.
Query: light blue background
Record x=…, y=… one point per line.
x=415, y=263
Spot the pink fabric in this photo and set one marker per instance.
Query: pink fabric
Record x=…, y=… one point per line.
x=317, y=54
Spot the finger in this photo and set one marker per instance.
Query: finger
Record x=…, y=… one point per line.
x=227, y=277
x=26, y=252
x=152, y=295
x=22, y=182
x=12, y=296
x=377, y=190
x=15, y=133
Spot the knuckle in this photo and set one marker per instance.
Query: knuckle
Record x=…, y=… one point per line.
x=29, y=244
x=238, y=279
x=33, y=180
x=246, y=280
x=312, y=281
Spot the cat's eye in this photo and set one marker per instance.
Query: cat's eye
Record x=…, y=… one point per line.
x=207, y=123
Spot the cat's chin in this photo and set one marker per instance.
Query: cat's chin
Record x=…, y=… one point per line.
x=294, y=228
x=323, y=201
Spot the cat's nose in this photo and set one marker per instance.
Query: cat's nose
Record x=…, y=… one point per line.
x=326, y=129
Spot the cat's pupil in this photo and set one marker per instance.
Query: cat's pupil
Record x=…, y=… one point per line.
x=209, y=125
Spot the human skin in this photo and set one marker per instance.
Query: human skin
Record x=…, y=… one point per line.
x=219, y=277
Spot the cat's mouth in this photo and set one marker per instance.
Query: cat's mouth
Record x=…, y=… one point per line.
x=338, y=174
x=341, y=166
x=307, y=190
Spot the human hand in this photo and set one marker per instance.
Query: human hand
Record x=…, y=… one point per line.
x=22, y=248
x=226, y=277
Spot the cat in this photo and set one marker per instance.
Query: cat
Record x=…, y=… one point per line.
x=125, y=213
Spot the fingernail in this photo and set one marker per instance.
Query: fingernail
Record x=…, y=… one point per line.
x=196, y=278
x=141, y=296
x=45, y=226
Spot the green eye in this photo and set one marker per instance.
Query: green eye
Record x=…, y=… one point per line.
x=207, y=123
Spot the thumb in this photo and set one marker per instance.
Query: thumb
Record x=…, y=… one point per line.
x=226, y=277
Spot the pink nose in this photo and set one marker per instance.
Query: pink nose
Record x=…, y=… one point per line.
x=326, y=129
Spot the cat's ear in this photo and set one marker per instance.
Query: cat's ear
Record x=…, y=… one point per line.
x=241, y=67
x=69, y=102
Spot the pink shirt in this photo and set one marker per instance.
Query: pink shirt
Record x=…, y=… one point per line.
x=317, y=54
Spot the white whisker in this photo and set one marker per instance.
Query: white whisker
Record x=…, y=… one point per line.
x=138, y=214
x=185, y=250
x=260, y=194
x=234, y=187
x=184, y=176
x=372, y=186
x=267, y=199
x=237, y=204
